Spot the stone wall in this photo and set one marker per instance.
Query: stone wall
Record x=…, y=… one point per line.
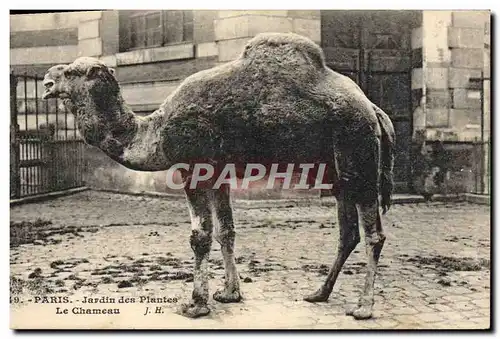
x=455, y=49
x=451, y=49
x=233, y=29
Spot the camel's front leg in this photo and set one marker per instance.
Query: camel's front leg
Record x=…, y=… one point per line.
x=201, y=242
x=369, y=217
x=224, y=234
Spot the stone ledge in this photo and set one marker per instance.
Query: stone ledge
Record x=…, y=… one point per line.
x=398, y=199
x=46, y=196
x=206, y=49
x=452, y=134
x=478, y=199
x=109, y=60
x=148, y=55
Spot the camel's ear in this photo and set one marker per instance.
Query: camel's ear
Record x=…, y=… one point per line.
x=67, y=70
x=93, y=71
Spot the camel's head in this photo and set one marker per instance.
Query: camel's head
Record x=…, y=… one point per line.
x=82, y=77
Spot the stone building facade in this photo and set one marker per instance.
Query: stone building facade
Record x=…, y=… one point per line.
x=428, y=69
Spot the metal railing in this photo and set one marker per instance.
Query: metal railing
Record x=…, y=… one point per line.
x=46, y=150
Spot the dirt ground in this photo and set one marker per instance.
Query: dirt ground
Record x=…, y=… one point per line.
x=434, y=270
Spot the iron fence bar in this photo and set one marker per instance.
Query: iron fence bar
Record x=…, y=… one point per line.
x=67, y=154
x=56, y=150
x=14, y=138
x=75, y=162
x=25, y=147
x=56, y=133
x=47, y=150
x=65, y=123
x=38, y=147
x=61, y=158
x=31, y=177
x=47, y=114
x=77, y=153
x=67, y=162
x=74, y=126
x=81, y=158
x=25, y=103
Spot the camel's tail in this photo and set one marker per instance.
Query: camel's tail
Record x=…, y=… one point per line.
x=387, y=158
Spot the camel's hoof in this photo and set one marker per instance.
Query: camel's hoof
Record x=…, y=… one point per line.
x=192, y=310
x=223, y=296
x=360, y=312
x=318, y=296
x=350, y=309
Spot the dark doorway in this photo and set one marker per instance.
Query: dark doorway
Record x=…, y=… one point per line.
x=374, y=49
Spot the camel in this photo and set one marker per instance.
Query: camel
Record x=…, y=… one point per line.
x=277, y=102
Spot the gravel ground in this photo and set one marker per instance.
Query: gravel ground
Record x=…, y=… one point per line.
x=434, y=270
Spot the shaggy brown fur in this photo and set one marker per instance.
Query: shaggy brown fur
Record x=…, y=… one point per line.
x=276, y=103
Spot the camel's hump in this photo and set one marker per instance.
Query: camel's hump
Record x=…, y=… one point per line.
x=274, y=40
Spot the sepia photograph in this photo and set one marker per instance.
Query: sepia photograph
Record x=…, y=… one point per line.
x=225, y=169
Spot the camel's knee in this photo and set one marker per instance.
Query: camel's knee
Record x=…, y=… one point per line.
x=201, y=242
x=375, y=238
x=225, y=237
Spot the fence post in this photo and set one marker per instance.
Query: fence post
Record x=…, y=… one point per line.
x=52, y=159
x=15, y=175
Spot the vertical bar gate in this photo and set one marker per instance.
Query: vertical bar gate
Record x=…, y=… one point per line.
x=46, y=151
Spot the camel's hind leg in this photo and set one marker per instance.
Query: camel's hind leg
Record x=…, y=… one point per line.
x=201, y=242
x=369, y=216
x=348, y=239
x=224, y=234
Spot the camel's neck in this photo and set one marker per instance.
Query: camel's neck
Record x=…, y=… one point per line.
x=131, y=140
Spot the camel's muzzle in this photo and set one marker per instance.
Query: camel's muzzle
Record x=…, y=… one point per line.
x=49, y=86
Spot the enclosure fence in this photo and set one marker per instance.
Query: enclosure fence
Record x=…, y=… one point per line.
x=46, y=150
